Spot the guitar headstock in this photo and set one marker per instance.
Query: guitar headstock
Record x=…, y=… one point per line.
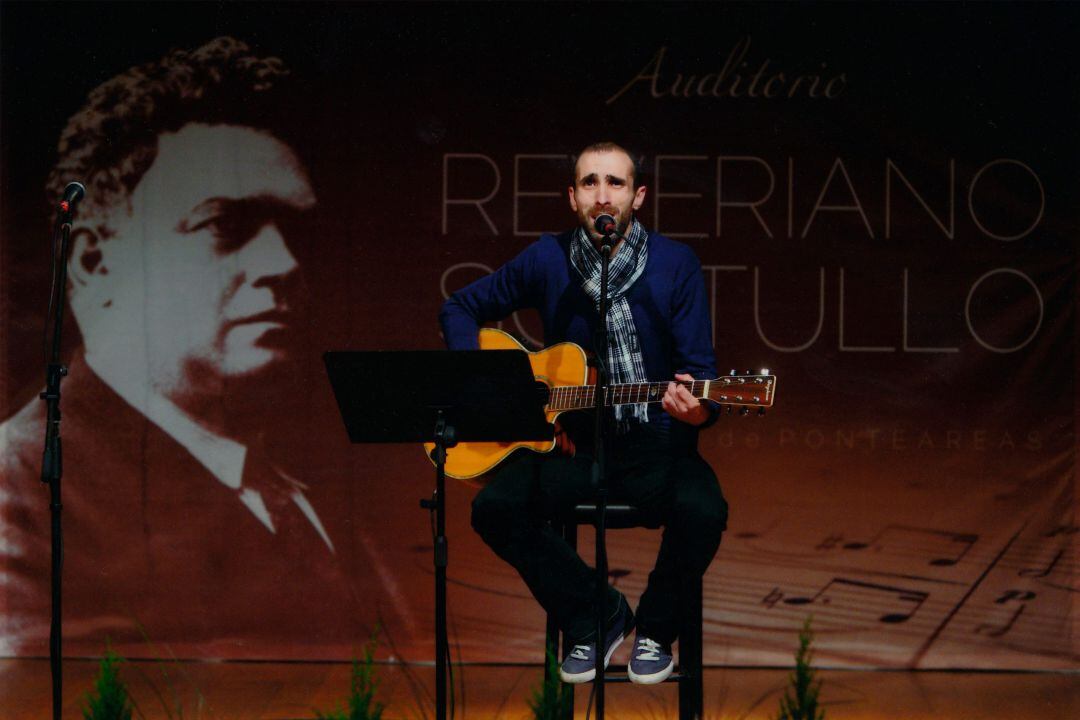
x=744, y=391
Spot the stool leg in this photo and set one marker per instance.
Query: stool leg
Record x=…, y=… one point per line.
x=569, y=533
x=691, y=689
x=551, y=647
x=551, y=635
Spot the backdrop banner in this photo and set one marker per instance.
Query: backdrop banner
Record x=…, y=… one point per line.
x=884, y=201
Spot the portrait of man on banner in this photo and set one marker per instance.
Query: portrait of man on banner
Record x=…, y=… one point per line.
x=186, y=282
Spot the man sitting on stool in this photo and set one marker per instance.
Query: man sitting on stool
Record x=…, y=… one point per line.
x=657, y=327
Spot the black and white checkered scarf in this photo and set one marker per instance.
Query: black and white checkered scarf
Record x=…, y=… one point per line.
x=624, y=351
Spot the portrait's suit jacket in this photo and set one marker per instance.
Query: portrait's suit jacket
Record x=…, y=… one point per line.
x=156, y=548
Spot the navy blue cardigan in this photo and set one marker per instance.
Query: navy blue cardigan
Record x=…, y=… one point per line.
x=668, y=302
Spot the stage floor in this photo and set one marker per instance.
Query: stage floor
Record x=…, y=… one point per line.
x=280, y=691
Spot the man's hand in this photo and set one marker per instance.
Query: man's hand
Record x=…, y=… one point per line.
x=681, y=405
x=563, y=444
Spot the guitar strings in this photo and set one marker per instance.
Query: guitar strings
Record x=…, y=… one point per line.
x=568, y=397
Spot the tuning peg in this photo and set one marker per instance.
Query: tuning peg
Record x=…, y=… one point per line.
x=761, y=411
x=732, y=372
x=729, y=409
x=748, y=372
x=763, y=371
x=744, y=410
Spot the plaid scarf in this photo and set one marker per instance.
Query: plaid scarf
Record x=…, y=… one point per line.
x=624, y=352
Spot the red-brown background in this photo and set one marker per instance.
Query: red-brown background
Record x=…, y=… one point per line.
x=905, y=451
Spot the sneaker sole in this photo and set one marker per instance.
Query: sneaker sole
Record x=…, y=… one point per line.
x=652, y=679
x=584, y=677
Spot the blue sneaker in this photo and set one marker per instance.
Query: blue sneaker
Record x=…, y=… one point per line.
x=650, y=662
x=580, y=665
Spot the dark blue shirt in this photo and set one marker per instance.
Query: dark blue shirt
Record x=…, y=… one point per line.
x=668, y=302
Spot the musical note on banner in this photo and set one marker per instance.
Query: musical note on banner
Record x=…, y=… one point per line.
x=830, y=542
x=968, y=541
x=758, y=533
x=956, y=544
x=1052, y=559
x=772, y=598
x=825, y=595
x=999, y=630
x=1036, y=572
x=1020, y=596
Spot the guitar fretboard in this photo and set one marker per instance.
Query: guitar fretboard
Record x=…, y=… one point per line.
x=579, y=397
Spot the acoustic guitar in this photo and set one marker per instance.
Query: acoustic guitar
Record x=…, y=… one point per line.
x=565, y=370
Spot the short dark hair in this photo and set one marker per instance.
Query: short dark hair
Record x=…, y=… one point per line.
x=636, y=179
x=113, y=140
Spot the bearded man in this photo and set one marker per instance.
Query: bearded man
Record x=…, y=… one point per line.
x=657, y=327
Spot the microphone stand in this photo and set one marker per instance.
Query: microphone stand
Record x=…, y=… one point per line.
x=444, y=439
x=599, y=473
x=52, y=457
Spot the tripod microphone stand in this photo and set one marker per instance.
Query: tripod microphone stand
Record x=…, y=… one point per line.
x=604, y=224
x=52, y=465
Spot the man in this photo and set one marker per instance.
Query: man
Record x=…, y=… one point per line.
x=658, y=327
x=180, y=523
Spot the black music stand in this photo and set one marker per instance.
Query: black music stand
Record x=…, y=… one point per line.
x=443, y=397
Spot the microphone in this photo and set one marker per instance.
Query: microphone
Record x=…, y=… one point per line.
x=73, y=193
x=605, y=225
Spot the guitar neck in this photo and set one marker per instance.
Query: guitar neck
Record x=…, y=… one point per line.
x=756, y=390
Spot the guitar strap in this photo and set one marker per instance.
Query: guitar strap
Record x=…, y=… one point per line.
x=625, y=363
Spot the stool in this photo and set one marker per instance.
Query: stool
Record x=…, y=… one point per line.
x=688, y=672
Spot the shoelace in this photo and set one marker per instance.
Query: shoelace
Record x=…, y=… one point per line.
x=581, y=652
x=649, y=649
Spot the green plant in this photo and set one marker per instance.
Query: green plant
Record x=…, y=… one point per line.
x=109, y=699
x=552, y=699
x=171, y=672
x=363, y=683
x=800, y=699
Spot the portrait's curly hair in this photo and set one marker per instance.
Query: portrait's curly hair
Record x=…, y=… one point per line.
x=113, y=140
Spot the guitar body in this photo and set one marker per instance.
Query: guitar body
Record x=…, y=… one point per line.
x=558, y=365
x=565, y=370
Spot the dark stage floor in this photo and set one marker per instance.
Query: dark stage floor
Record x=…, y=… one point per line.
x=276, y=691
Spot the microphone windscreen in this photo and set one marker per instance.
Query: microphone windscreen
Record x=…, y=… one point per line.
x=74, y=192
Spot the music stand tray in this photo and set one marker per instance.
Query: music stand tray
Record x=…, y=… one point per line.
x=398, y=396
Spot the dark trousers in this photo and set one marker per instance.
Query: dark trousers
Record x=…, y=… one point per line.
x=675, y=489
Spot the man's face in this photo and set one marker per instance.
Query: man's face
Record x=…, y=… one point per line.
x=603, y=183
x=200, y=272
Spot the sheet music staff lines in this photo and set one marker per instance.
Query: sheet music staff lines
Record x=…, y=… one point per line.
x=948, y=618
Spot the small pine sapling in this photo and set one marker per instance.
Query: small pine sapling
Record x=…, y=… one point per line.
x=800, y=699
